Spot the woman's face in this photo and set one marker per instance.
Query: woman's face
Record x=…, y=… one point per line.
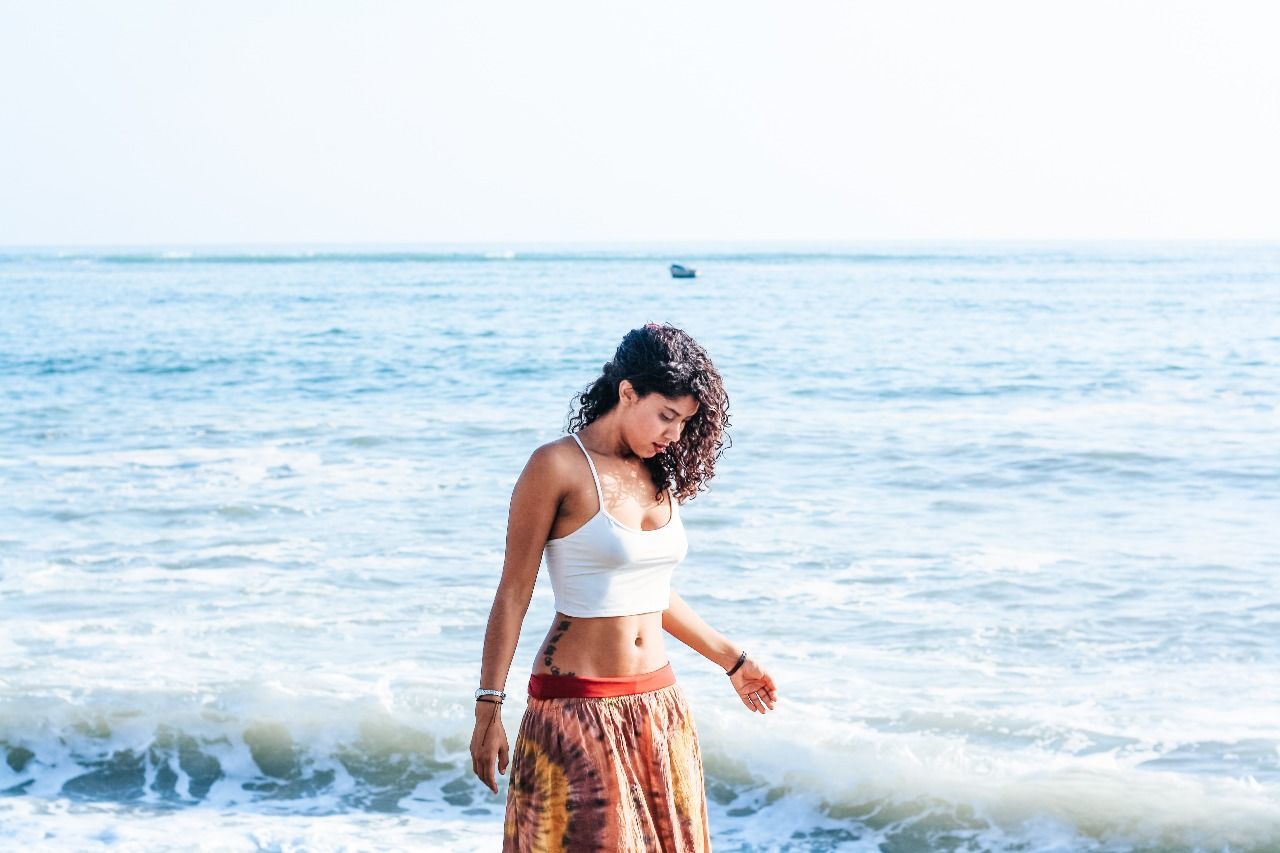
x=655, y=421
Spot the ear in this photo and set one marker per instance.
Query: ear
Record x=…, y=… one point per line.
x=626, y=392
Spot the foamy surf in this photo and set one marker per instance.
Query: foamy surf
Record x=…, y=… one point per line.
x=804, y=776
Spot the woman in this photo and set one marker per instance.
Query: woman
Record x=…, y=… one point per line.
x=607, y=756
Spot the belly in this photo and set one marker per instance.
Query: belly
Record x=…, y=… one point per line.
x=602, y=645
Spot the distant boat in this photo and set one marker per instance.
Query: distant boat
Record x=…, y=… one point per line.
x=679, y=271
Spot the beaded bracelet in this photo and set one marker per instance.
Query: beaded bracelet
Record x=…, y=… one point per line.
x=742, y=657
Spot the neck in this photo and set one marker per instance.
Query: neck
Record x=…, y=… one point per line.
x=606, y=433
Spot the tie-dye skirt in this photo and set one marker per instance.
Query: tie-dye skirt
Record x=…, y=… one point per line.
x=606, y=763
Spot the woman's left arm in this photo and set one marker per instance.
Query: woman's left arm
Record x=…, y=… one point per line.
x=751, y=682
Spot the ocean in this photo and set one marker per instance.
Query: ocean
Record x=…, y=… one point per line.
x=1001, y=519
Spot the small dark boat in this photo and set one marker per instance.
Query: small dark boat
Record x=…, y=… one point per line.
x=680, y=271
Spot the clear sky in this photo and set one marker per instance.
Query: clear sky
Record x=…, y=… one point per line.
x=418, y=122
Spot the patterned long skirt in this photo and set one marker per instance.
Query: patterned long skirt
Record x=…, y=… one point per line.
x=606, y=763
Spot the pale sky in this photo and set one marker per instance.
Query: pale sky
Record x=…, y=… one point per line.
x=425, y=122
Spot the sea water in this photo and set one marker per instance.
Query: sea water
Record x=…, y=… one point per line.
x=1001, y=520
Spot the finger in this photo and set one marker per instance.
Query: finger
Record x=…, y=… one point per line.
x=502, y=761
x=767, y=687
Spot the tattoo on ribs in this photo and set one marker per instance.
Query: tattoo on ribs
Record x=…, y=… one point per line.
x=551, y=648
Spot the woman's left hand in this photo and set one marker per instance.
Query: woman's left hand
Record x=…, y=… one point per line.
x=755, y=687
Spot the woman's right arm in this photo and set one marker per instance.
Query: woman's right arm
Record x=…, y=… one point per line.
x=534, y=503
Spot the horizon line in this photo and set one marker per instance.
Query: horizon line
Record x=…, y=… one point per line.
x=401, y=245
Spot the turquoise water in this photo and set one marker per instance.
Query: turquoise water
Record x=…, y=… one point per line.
x=1000, y=519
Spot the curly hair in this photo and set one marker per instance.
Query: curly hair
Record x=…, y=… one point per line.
x=669, y=361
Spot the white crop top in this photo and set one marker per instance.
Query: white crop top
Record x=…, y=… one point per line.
x=605, y=568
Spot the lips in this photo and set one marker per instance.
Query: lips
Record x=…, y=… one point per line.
x=660, y=447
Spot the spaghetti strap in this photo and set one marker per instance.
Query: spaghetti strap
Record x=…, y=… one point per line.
x=594, y=476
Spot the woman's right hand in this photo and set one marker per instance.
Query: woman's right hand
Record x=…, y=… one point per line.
x=489, y=743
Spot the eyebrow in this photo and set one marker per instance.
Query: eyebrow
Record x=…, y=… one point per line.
x=686, y=417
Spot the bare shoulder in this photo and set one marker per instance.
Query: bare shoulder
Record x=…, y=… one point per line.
x=550, y=464
x=553, y=453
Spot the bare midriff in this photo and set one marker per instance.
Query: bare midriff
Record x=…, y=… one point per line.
x=602, y=645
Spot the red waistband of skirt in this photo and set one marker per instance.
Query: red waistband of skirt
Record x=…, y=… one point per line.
x=544, y=685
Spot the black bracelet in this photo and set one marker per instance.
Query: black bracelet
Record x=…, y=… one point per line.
x=742, y=657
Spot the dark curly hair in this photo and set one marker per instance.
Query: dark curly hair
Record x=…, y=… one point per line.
x=669, y=361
